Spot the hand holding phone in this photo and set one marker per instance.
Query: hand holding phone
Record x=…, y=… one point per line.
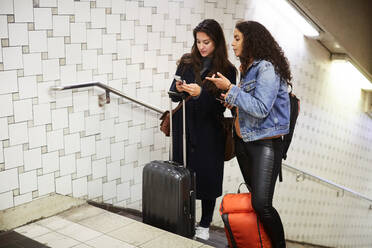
x=177, y=78
x=179, y=83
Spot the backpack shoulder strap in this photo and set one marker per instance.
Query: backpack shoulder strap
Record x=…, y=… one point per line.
x=294, y=111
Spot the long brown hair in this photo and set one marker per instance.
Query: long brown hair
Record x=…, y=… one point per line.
x=258, y=43
x=220, y=61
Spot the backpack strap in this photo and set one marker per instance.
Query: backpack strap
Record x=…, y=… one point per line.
x=259, y=232
x=294, y=111
x=287, y=139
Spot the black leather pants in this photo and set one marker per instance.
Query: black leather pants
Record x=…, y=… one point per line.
x=259, y=162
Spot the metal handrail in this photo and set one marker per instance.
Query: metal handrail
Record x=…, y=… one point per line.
x=109, y=90
x=335, y=185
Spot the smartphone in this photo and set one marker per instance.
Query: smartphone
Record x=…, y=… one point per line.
x=177, y=78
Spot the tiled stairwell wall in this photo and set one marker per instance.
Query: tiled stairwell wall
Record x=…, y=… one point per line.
x=64, y=143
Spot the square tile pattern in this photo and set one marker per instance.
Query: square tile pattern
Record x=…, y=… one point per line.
x=63, y=142
x=106, y=226
x=89, y=226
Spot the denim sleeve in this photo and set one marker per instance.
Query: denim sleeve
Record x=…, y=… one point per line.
x=262, y=100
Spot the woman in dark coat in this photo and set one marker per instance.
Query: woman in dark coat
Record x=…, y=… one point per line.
x=205, y=136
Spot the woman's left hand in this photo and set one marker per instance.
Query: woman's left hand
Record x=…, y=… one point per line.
x=221, y=82
x=192, y=89
x=225, y=103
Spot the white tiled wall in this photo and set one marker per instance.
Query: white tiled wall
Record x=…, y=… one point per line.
x=18, y=34
x=64, y=143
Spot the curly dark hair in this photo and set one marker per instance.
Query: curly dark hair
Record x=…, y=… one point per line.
x=258, y=43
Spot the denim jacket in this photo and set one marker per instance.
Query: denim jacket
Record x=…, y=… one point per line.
x=263, y=102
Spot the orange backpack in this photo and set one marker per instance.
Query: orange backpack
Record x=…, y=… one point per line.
x=242, y=226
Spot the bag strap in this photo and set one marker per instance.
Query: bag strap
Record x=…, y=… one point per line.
x=259, y=231
x=249, y=188
x=180, y=105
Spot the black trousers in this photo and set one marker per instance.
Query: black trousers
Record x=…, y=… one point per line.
x=260, y=162
x=207, y=206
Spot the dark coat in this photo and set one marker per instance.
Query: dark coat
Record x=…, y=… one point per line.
x=205, y=137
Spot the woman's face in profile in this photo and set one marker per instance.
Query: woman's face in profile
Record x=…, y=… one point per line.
x=237, y=43
x=205, y=44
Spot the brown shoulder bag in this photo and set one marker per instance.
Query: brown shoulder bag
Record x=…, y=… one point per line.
x=165, y=118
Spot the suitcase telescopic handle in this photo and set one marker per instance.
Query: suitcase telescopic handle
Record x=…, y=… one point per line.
x=183, y=96
x=170, y=93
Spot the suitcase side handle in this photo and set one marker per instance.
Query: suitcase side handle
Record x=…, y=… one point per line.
x=192, y=201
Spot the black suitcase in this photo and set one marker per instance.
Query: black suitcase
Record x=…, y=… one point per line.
x=168, y=192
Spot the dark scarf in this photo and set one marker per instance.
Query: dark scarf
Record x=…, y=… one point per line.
x=206, y=71
x=207, y=63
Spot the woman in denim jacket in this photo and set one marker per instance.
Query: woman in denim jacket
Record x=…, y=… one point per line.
x=262, y=117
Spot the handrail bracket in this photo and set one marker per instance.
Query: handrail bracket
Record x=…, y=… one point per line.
x=340, y=193
x=104, y=98
x=300, y=177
